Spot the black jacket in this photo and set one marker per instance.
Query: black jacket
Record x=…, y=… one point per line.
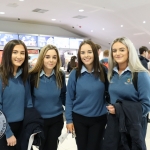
x=144, y=61
x=124, y=130
x=32, y=123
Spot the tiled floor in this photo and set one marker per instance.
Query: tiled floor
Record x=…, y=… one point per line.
x=69, y=143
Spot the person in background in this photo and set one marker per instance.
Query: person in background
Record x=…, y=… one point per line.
x=85, y=104
x=148, y=65
x=14, y=90
x=72, y=64
x=143, y=56
x=123, y=62
x=48, y=89
x=145, y=62
x=104, y=61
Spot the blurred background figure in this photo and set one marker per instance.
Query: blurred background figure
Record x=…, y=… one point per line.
x=104, y=61
x=144, y=56
x=72, y=64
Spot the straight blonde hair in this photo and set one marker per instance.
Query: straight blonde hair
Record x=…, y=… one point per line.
x=133, y=60
x=36, y=70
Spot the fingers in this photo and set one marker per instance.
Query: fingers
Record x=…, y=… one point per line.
x=11, y=141
x=11, y=144
x=70, y=127
x=111, y=109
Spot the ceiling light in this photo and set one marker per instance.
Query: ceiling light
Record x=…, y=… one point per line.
x=2, y=13
x=103, y=29
x=144, y=21
x=81, y=10
x=53, y=19
x=91, y=30
x=21, y=0
x=121, y=25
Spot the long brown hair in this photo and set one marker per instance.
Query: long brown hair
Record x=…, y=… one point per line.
x=36, y=70
x=96, y=64
x=7, y=68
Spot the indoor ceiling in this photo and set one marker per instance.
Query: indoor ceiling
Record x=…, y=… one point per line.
x=100, y=21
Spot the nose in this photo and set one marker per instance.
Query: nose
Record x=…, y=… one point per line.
x=86, y=54
x=51, y=59
x=18, y=55
x=117, y=52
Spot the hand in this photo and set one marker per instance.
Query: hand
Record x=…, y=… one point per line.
x=70, y=127
x=111, y=109
x=11, y=141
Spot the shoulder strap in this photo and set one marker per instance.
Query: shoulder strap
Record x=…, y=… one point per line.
x=105, y=76
x=135, y=79
x=62, y=76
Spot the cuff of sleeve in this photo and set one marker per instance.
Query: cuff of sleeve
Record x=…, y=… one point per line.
x=8, y=133
x=69, y=121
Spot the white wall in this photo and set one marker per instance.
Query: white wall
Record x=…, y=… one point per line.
x=18, y=27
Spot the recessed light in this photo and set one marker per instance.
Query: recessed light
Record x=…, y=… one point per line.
x=53, y=19
x=103, y=29
x=81, y=10
x=2, y=13
x=91, y=30
x=21, y=0
x=144, y=21
x=121, y=26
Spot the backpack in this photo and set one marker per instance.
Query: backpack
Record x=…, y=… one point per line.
x=104, y=63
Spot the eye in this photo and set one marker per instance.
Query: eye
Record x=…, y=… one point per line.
x=82, y=52
x=89, y=51
x=14, y=52
x=23, y=53
x=114, y=50
x=121, y=50
x=55, y=57
x=47, y=57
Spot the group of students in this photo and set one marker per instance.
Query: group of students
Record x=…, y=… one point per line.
x=86, y=109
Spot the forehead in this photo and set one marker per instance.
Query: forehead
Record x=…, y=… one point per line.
x=51, y=52
x=118, y=45
x=19, y=48
x=86, y=47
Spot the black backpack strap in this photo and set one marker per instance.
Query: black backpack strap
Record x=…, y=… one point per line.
x=105, y=76
x=135, y=80
x=62, y=76
x=107, y=97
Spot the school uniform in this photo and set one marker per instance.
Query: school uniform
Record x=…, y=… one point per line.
x=13, y=100
x=122, y=88
x=48, y=100
x=86, y=108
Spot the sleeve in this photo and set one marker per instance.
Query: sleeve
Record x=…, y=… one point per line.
x=144, y=91
x=70, y=97
x=63, y=89
x=8, y=132
x=28, y=98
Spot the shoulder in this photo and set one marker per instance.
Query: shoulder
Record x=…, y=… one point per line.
x=143, y=75
x=73, y=74
x=143, y=80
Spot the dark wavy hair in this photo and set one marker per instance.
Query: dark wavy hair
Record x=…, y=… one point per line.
x=98, y=70
x=7, y=68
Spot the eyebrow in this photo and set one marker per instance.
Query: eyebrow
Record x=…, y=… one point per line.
x=88, y=50
x=17, y=50
x=50, y=55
